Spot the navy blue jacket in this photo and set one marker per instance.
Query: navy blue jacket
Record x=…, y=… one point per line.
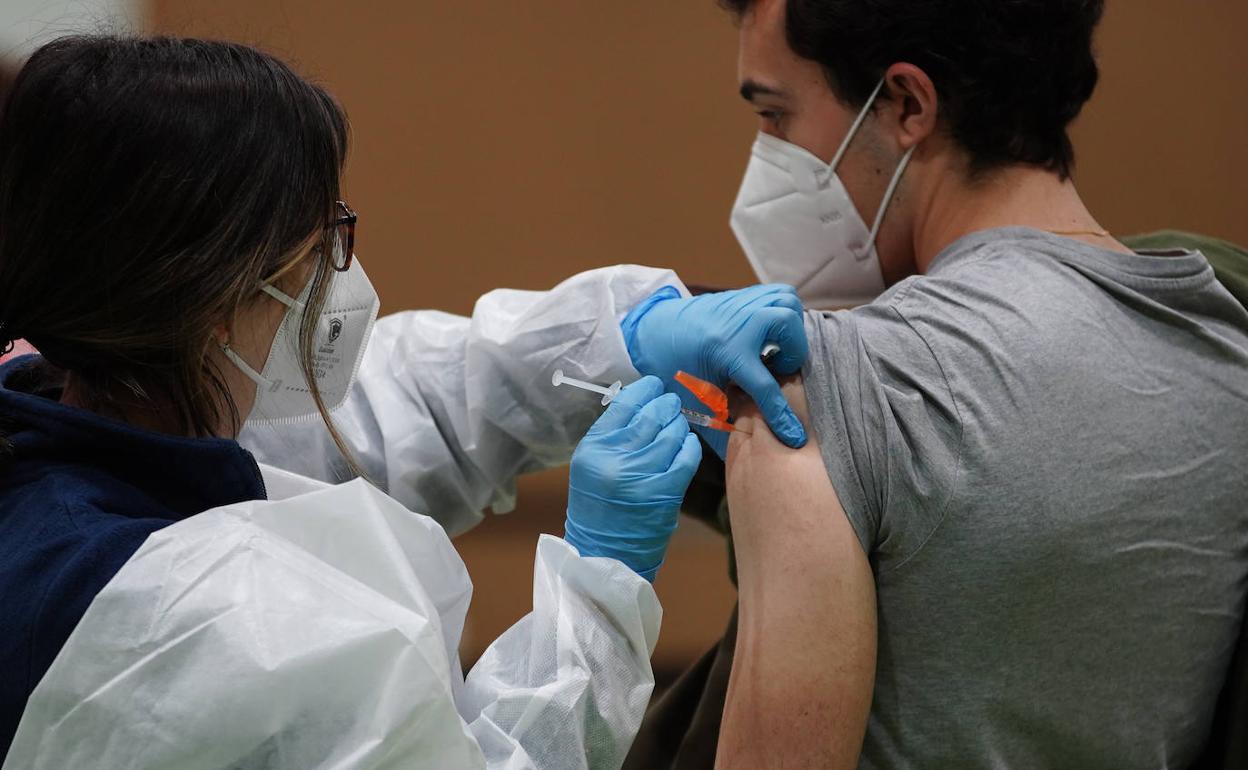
x=79, y=494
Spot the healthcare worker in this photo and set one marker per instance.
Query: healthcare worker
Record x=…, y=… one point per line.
x=173, y=243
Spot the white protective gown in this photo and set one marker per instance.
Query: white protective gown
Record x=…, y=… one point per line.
x=320, y=630
x=447, y=411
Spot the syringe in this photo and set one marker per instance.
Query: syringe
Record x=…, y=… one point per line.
x=612, y=390
x=608, y=393
x=707, y=421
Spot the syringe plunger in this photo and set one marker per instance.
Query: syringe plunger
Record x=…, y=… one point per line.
x=608, y=393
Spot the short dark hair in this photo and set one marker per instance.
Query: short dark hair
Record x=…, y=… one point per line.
x=1011, y=76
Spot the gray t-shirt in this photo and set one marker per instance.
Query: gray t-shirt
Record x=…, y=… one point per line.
x=1041, y=446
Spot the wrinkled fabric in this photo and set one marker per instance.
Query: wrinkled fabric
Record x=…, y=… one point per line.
x=79, y=494
x=320, y=631
x=448, y=410
x=1040, y=445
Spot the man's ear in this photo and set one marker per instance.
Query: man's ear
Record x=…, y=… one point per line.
x=914, y=104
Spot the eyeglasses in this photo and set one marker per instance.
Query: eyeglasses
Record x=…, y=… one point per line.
x=343, y=237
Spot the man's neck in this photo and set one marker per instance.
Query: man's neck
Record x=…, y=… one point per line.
x=1018, y=196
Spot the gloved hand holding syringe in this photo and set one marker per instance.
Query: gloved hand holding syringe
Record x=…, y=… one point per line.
x=705, y=392
x=609, y=392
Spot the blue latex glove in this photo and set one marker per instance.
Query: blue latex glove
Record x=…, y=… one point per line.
x=629, y=476
x=718, y=338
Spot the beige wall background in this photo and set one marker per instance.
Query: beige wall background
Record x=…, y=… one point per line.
x=503, y=143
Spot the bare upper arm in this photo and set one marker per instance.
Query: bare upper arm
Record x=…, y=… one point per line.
x=805, y=659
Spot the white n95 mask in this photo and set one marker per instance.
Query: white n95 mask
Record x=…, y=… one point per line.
x=346, y=322
x=798, y=225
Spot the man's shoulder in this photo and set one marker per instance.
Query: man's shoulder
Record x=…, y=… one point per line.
x=976, y=279
x=957, y=301
x=1009, y=294
x=994, y=312
x=1229, y=260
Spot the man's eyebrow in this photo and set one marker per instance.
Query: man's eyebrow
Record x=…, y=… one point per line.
x=752, y=88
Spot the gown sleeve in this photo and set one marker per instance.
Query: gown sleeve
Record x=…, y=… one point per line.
x=448, y=410
x=320, y=631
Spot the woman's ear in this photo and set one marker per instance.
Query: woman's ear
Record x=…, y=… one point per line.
x=916, y=103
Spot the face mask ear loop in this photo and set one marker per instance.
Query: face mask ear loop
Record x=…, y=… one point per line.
x=237, y=360
x=888, y=194
x=853, y=129
x=245, y=367
x=280, y=295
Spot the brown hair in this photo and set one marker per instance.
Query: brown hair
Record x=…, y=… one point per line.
x=147, y=187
